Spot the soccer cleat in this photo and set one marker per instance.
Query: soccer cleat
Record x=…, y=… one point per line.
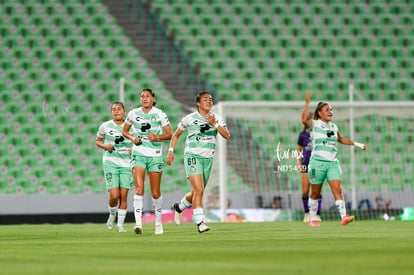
x=121, y=229
x=202, y=227
x=314, y=223
x=110, y=222
x=347, y=219
x=178, y=214
x=138, y=230
x=158, y=229
x=318, y=218
x=306, y=218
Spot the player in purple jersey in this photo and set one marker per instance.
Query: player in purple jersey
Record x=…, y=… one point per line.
x=304, y=148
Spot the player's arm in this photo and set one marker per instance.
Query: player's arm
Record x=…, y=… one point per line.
x=223, y=131
x=173, y=142
x=167, y=134
x=100, y=144
x=128, y=135
x=305, y=112
x=346, y=141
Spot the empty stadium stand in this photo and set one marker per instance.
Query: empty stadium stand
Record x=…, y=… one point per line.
x=61, y=61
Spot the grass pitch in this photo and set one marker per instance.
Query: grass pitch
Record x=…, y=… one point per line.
x=362, y=247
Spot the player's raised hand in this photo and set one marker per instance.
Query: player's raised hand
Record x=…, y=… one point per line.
x=308, y=96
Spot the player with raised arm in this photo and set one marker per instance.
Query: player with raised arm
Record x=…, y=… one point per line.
x=202, y=126
x=323, y=164
x=116, y=164
x=150, y=126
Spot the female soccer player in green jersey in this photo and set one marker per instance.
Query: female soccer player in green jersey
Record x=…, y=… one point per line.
x=200, y=144
x=149, y=126
x=323, y=164
x=116, y=158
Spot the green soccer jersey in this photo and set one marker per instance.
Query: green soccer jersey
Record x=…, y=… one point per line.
x=143, y=123
x=201, y=138
x=112, y=134
x=324, y=140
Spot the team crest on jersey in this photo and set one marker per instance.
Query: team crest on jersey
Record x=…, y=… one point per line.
x=192, y=168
